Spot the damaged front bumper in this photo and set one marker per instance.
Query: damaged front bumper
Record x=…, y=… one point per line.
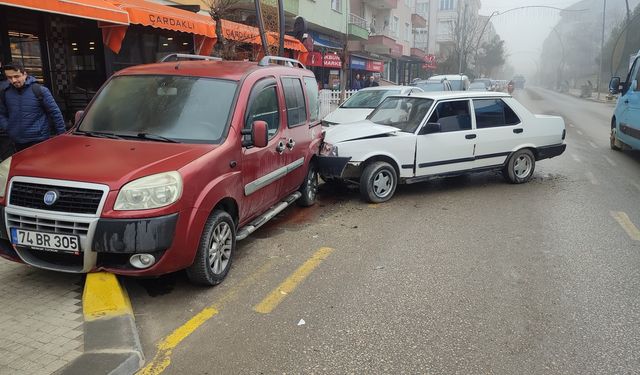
x=332, y=166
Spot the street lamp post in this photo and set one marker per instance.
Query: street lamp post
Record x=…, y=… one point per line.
x=604, y=11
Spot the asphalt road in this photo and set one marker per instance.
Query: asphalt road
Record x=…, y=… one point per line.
x=468, y=275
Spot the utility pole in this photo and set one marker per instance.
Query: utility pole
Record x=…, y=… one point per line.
x=460, y=34
x=604, y=12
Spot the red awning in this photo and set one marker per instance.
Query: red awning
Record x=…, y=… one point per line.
x=99, y=10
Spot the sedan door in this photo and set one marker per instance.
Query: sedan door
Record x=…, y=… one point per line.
x=499, y=131
x=449, y=150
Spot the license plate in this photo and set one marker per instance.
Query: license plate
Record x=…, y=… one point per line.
x=45, y=241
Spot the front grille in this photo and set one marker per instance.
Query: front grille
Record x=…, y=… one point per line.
x=70, y=199
x=47, y=225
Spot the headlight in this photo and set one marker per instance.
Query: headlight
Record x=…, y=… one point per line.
x=329, y=150
x=153, y=191
x=5, y=166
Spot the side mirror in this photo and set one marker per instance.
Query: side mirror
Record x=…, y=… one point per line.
x=430, y=127
x=78, y=117
x=614, y=85
x=259, y=134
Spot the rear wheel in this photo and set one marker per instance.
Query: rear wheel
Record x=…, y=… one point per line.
x=520, y=167
x=378, y=182
x=213, y=259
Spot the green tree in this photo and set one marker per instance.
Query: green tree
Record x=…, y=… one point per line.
x=491, y=56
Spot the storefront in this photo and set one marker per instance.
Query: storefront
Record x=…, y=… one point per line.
x=325, y=60
x=72, y=47
x=365, y=68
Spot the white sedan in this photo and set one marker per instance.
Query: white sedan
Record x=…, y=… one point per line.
x=363, y=102
x=413, y=138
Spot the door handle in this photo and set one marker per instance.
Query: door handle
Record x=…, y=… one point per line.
x=291, y=143
x=470, y=136
x=280, y=147
x=518, y=131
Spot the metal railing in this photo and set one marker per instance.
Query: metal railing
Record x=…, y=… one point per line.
x=358, y=21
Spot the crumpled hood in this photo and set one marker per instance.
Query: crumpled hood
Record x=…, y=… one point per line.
x=356, y=130
x=346, y=115
x=105, y=161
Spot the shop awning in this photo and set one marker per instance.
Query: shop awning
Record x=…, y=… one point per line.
x=99, y=10
x=146, y=13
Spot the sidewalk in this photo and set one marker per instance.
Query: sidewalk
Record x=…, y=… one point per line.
x=41, y=321
x=594, y=96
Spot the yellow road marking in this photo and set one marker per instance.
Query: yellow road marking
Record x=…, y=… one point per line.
x=162, y=359
x=626, y=224
x=274, y=298
x=103, y=297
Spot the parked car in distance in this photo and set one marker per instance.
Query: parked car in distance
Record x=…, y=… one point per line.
x=427, y=85
x=169, y=166
x=414, y=138
x=478, y=86
x=625, y=122
x=488, y=83
x=360, y=104
x=459, y=82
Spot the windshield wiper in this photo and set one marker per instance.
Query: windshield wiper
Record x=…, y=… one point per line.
x=151, y=136
x=97, y=134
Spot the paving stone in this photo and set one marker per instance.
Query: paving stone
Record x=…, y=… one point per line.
x=40, y=314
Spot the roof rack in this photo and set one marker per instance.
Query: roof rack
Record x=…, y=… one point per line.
x=187, y=56
x=265, y=61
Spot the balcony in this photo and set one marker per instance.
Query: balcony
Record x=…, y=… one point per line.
x=418, y=53
x=382, y=4
x=383, y=44
x=358, y=27
x=417, y=21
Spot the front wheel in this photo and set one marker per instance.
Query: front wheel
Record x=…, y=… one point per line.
x=213, y=259
x=378, y=182
x=309, y=187
x=614, y=142
x=520, y=167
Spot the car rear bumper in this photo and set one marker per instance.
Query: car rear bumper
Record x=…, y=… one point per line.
x=547, y=152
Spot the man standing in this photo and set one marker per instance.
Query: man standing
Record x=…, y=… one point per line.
x=373, y=82
x=356, y=84
x=28, y=111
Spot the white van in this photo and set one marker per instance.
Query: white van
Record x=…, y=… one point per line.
x=459, y=82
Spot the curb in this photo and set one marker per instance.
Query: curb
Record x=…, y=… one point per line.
x=111, y=343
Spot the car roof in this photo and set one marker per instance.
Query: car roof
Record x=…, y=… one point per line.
x=444, y=95
x=231, y=70
x=448, y=76
x=392, y=87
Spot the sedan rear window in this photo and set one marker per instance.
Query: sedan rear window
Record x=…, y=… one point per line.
x=183, y=109
x=368, y=98
x=493, y=112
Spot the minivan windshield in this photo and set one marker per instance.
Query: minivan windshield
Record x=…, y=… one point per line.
x=404, y=113
x=162, y=108
x=368, y=98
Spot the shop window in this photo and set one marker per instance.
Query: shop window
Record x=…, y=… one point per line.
x=25, y=38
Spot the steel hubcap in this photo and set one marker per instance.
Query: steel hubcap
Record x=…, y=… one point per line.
x=522, y=166
x=220, y=248
x=382, y=184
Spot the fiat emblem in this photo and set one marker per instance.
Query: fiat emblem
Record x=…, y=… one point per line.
x=50, y=197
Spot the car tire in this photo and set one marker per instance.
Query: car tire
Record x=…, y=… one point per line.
x=217, y=244
x=378, y=182
x=309, y=188
x=614, y=142
x=520, y=167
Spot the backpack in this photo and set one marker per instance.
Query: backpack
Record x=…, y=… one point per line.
x=37, y=91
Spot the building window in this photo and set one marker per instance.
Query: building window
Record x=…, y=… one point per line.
x=446, y=4
x=407, y=3
x=336, y=5
x=407, y=32
x=423, y=9
x=394, y=26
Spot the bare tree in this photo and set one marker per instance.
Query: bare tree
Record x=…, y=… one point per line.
x=219, y=10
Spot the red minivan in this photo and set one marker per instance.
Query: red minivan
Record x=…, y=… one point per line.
x=170, y=164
